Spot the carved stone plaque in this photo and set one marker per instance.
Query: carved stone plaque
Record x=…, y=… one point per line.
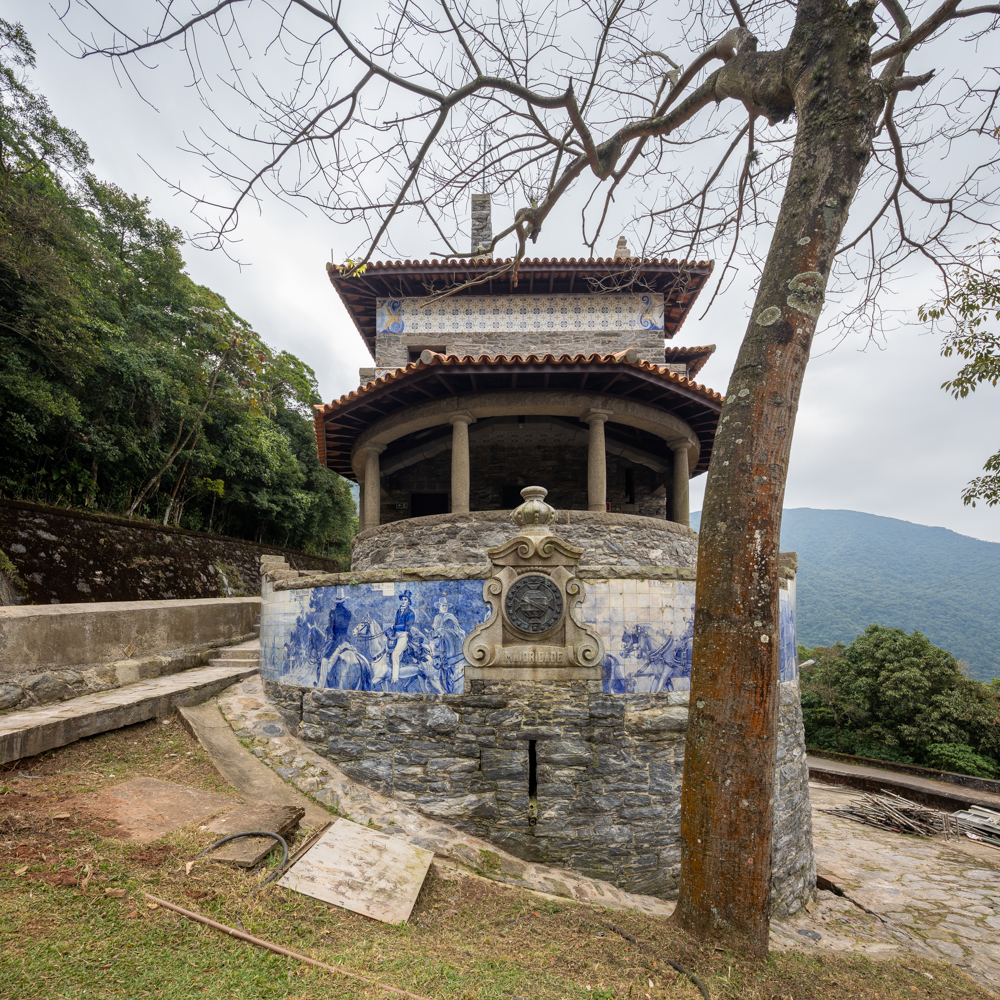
x=534, y=631
x=534, y=604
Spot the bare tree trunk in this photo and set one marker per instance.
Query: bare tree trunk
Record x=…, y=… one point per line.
x=154, y=483
x=727, y=798
x=178, y=446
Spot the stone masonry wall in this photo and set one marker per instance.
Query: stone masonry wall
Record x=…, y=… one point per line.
x=69, y=556
x=608, y=771
x=462, y=540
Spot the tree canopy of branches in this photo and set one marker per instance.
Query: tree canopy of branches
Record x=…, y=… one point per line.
x=124, y=385
x=747, y=132
x=894, y=696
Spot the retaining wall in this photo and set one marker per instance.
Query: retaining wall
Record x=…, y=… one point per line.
x=607, y=769
x=60, y=556
x=52, y=652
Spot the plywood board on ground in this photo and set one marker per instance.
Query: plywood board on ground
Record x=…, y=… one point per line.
x=362, y=870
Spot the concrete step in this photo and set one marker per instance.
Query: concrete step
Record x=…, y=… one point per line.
x=226, y=662
x=238, y=653
x=232, y=656
x=35, y=730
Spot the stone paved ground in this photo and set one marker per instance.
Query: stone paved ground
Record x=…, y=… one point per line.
x=934, y=898
x=944, y=894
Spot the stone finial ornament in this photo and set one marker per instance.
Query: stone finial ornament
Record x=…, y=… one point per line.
x=534, y=631
x=534, y=511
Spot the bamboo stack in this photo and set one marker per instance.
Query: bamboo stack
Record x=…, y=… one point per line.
x=889, y=811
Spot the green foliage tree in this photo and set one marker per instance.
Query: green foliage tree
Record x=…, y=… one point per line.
x=894, y=696
x=123, y=384
x=974, y=303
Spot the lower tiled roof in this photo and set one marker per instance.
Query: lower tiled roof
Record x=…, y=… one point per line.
x=340, y=423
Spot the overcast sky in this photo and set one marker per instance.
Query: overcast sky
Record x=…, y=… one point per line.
x=875, y=431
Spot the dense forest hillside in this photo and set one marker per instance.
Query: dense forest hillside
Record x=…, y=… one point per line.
x=124, y=385
x=856, y=569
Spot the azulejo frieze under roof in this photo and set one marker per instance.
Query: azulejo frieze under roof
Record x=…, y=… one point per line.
x=678, y=282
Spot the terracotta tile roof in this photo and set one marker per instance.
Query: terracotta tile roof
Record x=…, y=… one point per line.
x=480, y=264
x=694, y=357
x=680, y=282
x=340, y=423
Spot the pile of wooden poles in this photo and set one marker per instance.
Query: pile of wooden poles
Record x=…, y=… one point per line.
x=889, y=811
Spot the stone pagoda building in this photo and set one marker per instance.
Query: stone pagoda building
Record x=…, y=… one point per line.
x=511, y=650
x=483, y=384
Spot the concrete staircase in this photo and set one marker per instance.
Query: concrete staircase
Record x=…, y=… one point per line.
x=35, y=730
x=246, y=654
x=275, y=568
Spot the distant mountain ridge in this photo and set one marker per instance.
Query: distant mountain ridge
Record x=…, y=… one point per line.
x=856, y=568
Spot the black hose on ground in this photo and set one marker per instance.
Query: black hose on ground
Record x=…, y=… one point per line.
x=673, y=965
x=253, y=833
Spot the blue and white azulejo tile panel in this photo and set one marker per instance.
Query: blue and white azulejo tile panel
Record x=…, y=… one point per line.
x=407, y=637
x=472, y=314
x=647, y=627
x=789, y=634
x=404, y=637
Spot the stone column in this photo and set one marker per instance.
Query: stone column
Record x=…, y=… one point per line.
x=373, y=486
x=361, y=504
x=597, y=470
x=682, y=475
x=460, y=462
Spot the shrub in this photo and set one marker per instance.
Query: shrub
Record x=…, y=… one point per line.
x=960, y=758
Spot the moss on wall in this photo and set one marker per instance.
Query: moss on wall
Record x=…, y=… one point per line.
x=55, y=556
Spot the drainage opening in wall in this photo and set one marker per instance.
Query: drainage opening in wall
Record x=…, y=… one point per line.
x=532, y=784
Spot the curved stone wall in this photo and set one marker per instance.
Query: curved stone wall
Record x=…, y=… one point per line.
x=608, y=772
x=462, y=540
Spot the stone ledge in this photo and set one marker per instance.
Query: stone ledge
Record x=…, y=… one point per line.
x=414, y=574
x=35, y=730
x=35, y=638
x=502, y=517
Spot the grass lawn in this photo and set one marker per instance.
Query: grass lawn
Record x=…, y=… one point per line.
x=74, y=924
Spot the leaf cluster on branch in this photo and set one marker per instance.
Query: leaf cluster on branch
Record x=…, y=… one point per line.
x=973, y=307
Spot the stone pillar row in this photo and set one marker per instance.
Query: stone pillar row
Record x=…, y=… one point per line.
x=597, y=476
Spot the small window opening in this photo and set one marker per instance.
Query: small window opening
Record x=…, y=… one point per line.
x=630, y=486
x=532, y=783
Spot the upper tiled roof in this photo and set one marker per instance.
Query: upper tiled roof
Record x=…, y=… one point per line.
x=679, y=281
x=340, y=423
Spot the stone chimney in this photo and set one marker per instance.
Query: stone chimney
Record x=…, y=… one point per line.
x=482, y=226
x=622, y=251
